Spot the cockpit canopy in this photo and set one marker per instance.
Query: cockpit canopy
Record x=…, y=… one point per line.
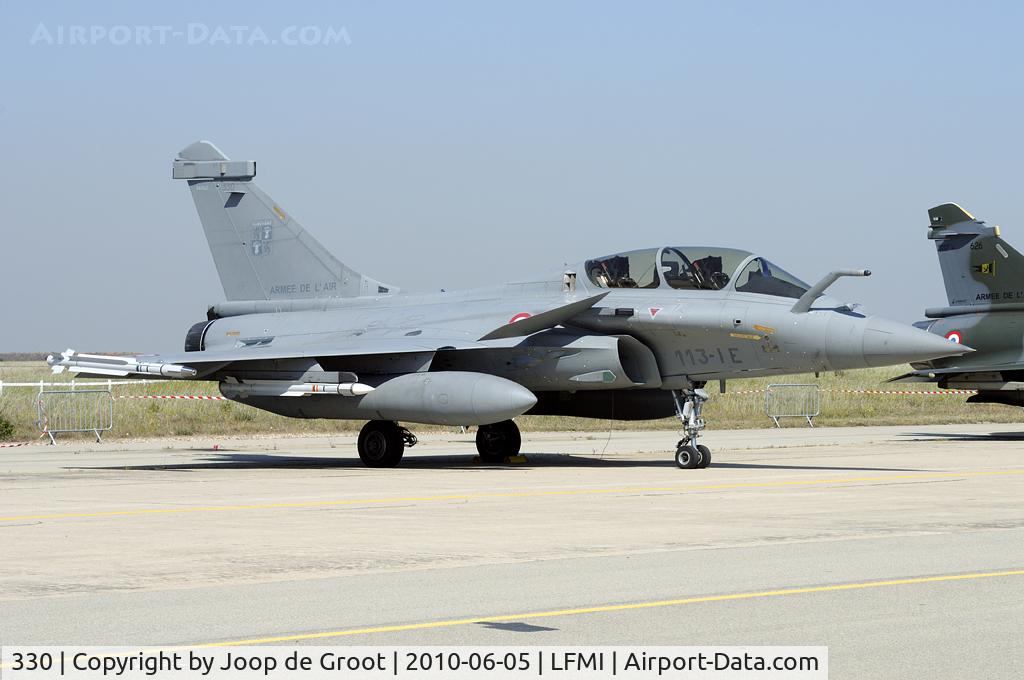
x=694, y=268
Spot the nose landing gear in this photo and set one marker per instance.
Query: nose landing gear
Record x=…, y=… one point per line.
x=689, y=403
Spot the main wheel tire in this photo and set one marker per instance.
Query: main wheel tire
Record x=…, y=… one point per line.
x=687, y=457
x=380, y=444
x=705, y=456
x=497, y=441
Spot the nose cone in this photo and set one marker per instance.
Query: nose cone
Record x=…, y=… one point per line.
x=496, y=399
x=887, y=343
x=522, y=400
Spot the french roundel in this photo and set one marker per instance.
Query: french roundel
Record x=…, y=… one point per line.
x=954, y=336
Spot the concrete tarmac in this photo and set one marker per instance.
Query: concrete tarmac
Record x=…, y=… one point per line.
x=900, y=548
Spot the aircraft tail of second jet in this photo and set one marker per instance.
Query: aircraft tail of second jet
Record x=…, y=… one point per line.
x=978, y=266
x=260, y=251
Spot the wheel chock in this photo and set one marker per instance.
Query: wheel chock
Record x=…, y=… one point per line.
x=507, y=460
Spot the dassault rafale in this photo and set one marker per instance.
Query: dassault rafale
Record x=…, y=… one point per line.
x=984, y=281
x=632, y=336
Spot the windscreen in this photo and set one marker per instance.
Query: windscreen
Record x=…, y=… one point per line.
x=761, y=276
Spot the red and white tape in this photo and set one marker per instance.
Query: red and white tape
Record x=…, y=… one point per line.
x=201, y=397
x=204, y=397
x=936, y=392
x=11, y=446
x=908, y=392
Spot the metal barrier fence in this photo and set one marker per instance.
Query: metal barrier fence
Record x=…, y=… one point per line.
x=792, y=401
x=62, y=411
x=72, y=384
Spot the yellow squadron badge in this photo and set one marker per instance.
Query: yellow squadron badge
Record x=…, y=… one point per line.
x=986, y=268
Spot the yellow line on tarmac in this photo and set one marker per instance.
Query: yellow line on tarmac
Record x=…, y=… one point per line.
x=483, y=495
x=615, y=608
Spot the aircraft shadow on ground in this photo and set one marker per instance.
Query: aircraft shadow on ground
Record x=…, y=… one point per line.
x=227, y=460
x=968, y=437
x=833, y=468
x=239, y=460
x=515, y=627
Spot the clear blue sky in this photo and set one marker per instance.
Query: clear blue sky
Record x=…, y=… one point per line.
x=456, y=144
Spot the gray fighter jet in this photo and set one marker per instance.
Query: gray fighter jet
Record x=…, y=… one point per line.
x=630, y=336
x=984, y=278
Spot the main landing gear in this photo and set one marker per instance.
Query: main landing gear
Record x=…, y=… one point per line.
x=498, y=441
x=690, y=454
x=382, y=443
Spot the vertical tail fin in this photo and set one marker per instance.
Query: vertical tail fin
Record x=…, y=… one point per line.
x=261, y=252
x=978, y=267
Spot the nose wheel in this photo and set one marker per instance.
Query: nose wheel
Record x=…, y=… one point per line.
x=689, y=453
x=687, y=457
